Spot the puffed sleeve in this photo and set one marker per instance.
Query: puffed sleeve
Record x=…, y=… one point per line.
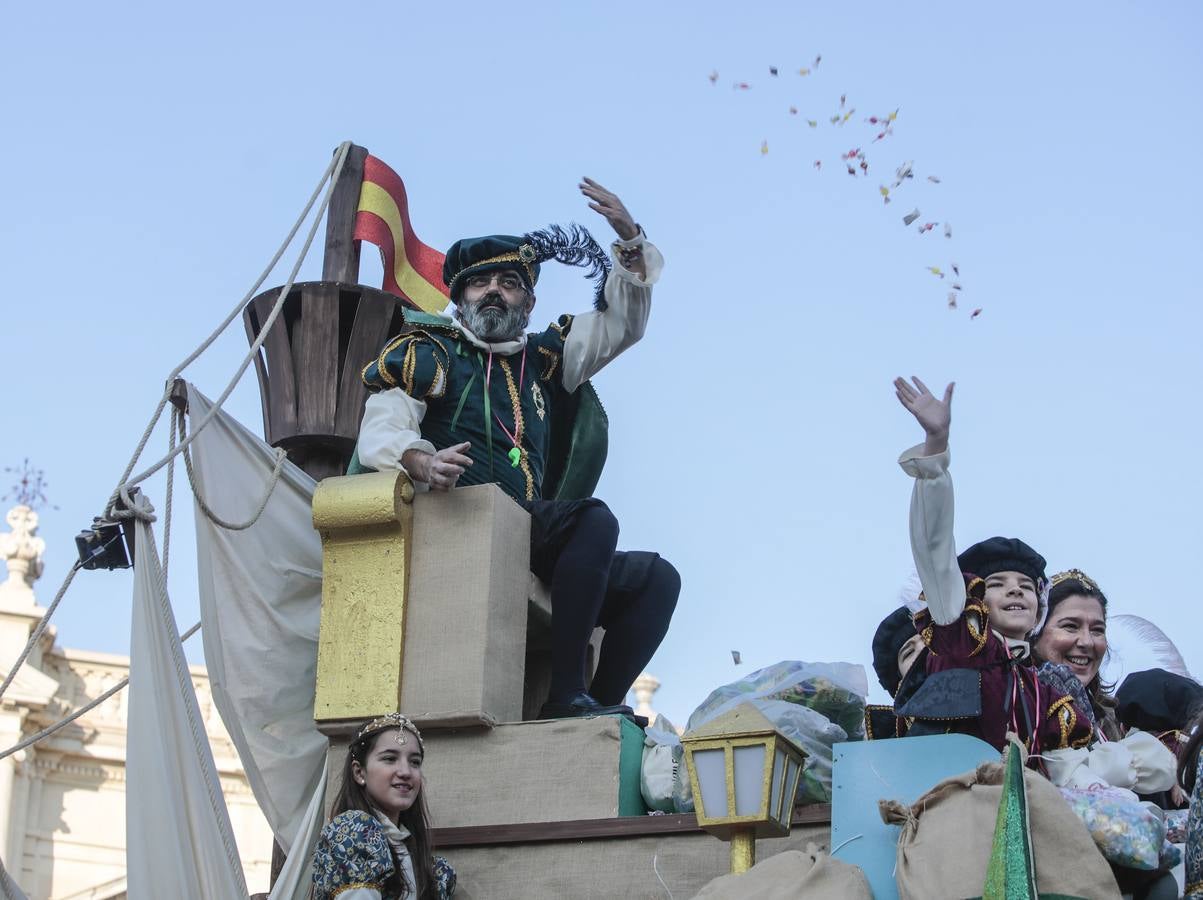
x=1139, y=762
x=932, y=544
x=414, y=362
x=352, y=859
x=444, y=878
x=600, y=335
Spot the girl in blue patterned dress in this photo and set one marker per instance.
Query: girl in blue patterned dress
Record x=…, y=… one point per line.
x=377, y=845
x=1190, y=775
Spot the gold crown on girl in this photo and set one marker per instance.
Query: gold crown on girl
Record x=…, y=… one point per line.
x=1075, y=575
x=392, y=720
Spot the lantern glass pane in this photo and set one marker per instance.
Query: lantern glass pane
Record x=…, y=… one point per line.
x=776, y=793
x=791, y=782
x=749, y=779
x=712, y=782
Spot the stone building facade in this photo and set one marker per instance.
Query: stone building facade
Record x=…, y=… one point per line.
x=62, y=800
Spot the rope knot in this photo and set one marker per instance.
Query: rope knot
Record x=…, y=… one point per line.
x=135, y=506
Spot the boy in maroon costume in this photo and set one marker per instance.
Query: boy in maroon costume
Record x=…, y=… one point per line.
x=981, y=609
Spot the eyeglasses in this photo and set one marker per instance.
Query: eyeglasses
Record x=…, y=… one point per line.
x=506, y=280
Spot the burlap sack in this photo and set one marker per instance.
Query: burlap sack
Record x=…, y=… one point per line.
x=947, y=836
x=792, y=875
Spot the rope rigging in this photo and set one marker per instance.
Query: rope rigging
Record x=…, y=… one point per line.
x=126, y=501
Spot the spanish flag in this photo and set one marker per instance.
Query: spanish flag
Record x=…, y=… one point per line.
x=412, y=270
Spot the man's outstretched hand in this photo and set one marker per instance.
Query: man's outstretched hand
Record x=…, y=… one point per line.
x=608, y=204
x=935, y=416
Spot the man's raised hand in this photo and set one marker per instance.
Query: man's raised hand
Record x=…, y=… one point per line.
x=935, y=416
x=611, y=207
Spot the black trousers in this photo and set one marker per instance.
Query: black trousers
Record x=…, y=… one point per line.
x=630, y=594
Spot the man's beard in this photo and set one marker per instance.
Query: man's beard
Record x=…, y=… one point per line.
x=493, y=324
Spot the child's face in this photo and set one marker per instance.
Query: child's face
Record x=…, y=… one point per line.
x=392, y=773
x=1012, y=600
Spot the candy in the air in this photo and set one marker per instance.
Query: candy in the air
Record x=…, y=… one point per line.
x=956, y=285
x=926, y=227
x=764, y=147
x=804, y=72
x=741, y=86
x=714, y=76
x=910, y=217
x=864, y=166
x=843, y=100
x=952, y=300
x=812, y=123
x=735, y=658
x=773, y=71
x=885, y=192
x=934, y=179
x=903, y=172
x=947, y=230
x=977, y=312
x=793, y=110
x=955, y=270
x=818, y=59
x=834, y=119
x=851, y=171
x=935, y=270
x=818, y=163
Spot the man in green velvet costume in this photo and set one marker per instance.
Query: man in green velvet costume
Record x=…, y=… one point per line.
x=474, y=398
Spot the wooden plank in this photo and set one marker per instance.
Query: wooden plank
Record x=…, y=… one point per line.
x=250, y=321
x=315, y=357
x=282, y=390
x=596, y=829
x=369, y=332
x=341, y=260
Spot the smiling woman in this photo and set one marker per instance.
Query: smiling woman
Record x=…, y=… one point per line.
x=1075, y=635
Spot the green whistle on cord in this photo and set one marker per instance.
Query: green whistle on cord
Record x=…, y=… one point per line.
x=515, y=456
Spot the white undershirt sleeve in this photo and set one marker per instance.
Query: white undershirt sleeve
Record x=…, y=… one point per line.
x=599, y=336
x=932, y=544
x=391, y=425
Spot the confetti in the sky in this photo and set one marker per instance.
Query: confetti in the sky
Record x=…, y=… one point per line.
x=735, y=657
x=911, y=216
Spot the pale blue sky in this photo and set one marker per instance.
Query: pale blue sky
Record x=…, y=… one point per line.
x=155, y=157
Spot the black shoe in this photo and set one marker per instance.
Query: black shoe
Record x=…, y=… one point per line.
x=581, y=706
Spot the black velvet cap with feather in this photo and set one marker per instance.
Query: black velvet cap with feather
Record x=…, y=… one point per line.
x=572, y=246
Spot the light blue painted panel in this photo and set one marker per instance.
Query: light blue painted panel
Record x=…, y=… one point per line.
x=900, y=769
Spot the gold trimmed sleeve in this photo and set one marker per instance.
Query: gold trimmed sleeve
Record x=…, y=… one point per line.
x=414, y=362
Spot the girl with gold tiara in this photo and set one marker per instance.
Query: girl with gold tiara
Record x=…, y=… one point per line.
x=377, y=845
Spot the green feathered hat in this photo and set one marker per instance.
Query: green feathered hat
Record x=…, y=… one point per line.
x=572, y=246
